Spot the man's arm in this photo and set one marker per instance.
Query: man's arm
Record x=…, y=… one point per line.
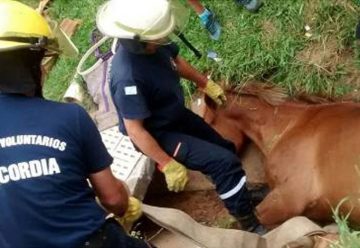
x=145, y=141
x=213, y=90
x=188, y=72
x=112, y=193
x=175, y=173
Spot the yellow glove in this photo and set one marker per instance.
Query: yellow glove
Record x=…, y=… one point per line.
x=175, y=175
x=215, y=92
x=132, y=213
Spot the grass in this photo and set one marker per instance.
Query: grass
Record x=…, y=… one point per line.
x=348, y=238
x=263, y=46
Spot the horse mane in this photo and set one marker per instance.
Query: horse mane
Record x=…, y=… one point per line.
x=274, y=94
x=270, y=93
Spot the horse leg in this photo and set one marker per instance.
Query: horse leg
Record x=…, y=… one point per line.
x=279, y=205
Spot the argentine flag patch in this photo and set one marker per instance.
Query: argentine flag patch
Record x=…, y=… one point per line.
x=130, y=90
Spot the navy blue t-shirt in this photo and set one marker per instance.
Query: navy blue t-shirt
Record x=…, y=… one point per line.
x=47, y=151
x=147, y=87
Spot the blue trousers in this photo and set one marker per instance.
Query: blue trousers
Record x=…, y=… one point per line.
x=192, y=142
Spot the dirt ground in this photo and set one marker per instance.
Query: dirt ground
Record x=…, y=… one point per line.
x=203, y=206
x=200, y=201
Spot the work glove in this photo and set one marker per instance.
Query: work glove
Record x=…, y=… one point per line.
x=175, y=175
x=132, y=213
x=215, y=92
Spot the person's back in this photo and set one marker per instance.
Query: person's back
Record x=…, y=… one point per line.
x=48, y=151
x=46, y=154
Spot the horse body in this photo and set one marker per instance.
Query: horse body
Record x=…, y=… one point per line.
x=311, y=154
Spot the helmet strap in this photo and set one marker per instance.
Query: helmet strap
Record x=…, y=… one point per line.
x=133, y=45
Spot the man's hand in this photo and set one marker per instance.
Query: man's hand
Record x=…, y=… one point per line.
x=111, y=192
x=215, y=92
x=133, y=212
x=175, y=175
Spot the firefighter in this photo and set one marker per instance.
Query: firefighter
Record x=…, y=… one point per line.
x=48, y=150
x=145, y=87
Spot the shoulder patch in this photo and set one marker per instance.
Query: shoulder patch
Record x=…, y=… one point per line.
x=131, y=90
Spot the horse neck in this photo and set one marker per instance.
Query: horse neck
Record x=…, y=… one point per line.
x=263, y=123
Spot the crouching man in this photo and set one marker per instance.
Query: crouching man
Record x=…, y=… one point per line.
x=145, y=86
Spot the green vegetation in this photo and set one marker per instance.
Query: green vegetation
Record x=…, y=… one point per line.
x=268, y=46
x=348, y=238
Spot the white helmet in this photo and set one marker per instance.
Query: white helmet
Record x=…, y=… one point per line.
x=146, y=20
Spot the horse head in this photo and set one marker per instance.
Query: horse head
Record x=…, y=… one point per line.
x=247, y=105
x=218, y=118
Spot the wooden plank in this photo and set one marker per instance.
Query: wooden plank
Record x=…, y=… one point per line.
x=69, y=26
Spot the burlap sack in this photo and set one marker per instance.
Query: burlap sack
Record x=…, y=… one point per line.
x=194, y=235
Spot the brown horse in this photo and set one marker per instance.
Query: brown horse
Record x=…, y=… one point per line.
x=311, y=151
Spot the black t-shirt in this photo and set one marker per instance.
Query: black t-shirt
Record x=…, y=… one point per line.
x=147, y=87
x=47, y=151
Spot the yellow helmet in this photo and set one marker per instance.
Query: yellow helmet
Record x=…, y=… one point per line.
x=23, y=27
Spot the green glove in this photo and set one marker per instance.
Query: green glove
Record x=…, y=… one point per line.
x=175, y=175
x=132, y=213
x=215, y=92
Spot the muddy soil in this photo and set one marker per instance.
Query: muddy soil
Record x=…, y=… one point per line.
x=203, y=206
